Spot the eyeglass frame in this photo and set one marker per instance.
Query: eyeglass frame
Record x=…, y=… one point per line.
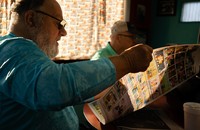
x=129, y=36
x=62, y=23
x=135, y=37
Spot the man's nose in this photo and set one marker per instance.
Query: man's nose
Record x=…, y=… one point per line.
x=63, y=32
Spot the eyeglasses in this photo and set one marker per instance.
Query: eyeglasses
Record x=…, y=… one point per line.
x=136, y=38
x=62, y=23
x=129, y=36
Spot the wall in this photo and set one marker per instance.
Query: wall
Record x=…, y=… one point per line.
x=169, y=30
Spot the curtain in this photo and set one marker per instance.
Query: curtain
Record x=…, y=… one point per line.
x=88, y=29
x=4, y=16
x=89, y=23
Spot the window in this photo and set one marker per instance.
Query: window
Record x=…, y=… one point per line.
x=191, y=12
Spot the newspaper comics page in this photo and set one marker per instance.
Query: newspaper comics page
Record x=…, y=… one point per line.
x=115, y=103
x=171, y=66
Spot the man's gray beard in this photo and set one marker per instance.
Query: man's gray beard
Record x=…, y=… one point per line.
x=43, y=43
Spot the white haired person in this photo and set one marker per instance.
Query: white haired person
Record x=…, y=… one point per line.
x=123, y=35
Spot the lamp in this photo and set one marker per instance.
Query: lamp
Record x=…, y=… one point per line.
x=191, y=13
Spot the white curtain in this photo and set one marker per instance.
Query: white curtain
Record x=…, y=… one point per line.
x=89, y=23
x=5, y=6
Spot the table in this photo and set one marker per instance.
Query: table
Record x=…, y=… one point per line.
x=91, y=118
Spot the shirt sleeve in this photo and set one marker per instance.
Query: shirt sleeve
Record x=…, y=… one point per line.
x=29, y=77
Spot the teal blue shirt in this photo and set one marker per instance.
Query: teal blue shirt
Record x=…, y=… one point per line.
x=104, y=52
x=38, y=94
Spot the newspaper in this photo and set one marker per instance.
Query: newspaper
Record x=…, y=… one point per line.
x=171, y=66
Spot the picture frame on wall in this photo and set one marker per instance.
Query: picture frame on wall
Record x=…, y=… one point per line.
x=166, y=7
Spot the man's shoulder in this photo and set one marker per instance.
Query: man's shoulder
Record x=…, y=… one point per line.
x=100, y=53
x=12, y=40
x=18, y=45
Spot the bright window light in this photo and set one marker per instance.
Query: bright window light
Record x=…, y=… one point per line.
x=191, y=12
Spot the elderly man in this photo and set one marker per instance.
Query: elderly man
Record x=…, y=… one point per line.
x=35, y=92
x=123, y=35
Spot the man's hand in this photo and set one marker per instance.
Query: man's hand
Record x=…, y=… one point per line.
x=138, y=57
x=135, y=59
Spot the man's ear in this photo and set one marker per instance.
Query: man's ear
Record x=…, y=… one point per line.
x=29, y=18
